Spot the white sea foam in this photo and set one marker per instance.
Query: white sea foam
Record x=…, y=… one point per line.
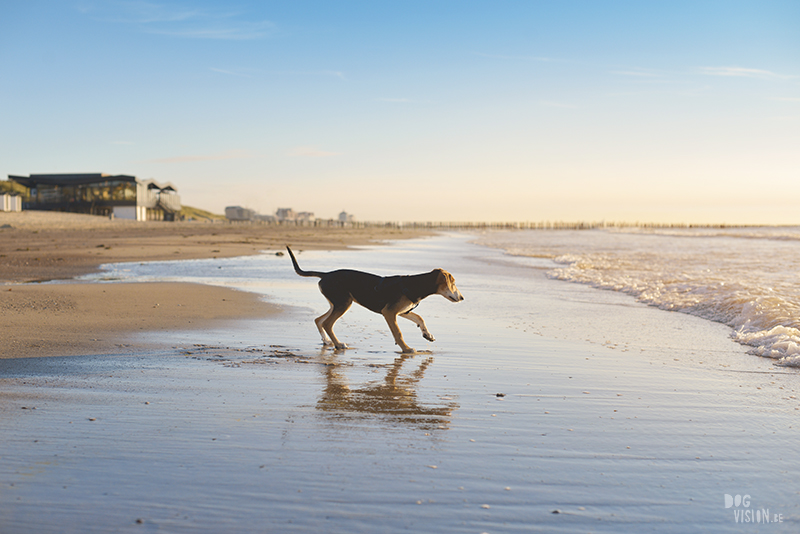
x=746, y=278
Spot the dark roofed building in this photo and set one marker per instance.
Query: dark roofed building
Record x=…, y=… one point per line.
x=122, y=196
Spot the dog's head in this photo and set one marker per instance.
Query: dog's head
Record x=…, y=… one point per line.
x=446, y=286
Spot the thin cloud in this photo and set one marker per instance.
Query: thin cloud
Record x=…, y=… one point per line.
x=241, y=31
x=310, y=152
x=638, y=73
x=230, y=72
x=740, y=72
x=327, y=73
x=229, y=154
x=137, y=12
x=665, y=87
x=337, y=73
x=501, y=56
x=177, y=21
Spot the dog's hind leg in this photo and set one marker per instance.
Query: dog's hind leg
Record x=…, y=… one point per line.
x=416, y=319
x=319, y=321
x=327, y=321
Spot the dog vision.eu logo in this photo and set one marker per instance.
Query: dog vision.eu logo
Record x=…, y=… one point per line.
x=742, y=513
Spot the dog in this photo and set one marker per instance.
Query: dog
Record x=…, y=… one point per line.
x=389, y=296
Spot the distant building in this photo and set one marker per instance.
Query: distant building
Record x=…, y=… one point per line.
x=288, y=214
x=238, y=213
x=305, y=216
x=346, y=217
x=10, y=202
x=120, y=196
x=285, y=214
x=265, y=218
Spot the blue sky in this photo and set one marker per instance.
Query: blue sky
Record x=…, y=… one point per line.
x=436, y=110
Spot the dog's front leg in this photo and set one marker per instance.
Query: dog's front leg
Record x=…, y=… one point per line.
x=416, y=319
x=391, y=319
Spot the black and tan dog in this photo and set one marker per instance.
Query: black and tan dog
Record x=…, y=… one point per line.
x=390, y=296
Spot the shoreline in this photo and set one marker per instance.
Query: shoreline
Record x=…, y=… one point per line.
x=49, y=246
x=542, y=405
x=74, y=318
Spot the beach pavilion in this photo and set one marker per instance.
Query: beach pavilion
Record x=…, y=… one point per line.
x=121, y=196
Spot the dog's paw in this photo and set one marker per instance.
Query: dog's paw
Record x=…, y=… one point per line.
x=428, y=336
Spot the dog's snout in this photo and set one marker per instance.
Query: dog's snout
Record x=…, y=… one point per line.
x=456, y=296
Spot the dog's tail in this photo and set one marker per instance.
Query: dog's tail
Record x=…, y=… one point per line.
x=300, y=271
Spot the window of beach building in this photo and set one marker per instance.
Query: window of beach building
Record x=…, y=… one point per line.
x=48, y=193
x=98, y=191
x=123, y=190
x=111, y=190
x=68, y=193
x=86, y=193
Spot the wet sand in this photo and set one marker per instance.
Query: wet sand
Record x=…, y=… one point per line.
x=543, y=406
x=72, y=319
x=82, y=318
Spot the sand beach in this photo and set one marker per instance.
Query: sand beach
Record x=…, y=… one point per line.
x=542, y=406
x=65, y=319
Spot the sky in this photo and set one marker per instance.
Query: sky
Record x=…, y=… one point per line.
x=667, y=112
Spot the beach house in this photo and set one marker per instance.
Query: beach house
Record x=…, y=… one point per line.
x=238, y=213
x=288, y=215
x=10, y=202
x=120, y=196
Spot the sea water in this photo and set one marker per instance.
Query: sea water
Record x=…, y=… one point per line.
x=746, y=278
x=542, y=406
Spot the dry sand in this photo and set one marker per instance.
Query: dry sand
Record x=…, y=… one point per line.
x=73, y=319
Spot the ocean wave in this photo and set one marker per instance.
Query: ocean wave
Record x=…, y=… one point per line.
x=745, y=278
x=761, y=318
x=760, y=233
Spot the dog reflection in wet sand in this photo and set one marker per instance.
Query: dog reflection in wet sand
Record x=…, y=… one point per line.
x=391, y=296
x=395, y=396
